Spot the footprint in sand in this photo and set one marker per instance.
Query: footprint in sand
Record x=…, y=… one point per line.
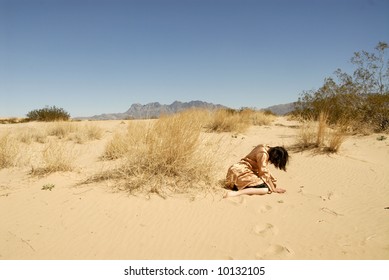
x=264, y=209
x=237, y=200
x=276, y=251
x=265, y=230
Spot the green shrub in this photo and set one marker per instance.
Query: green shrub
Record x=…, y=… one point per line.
x=48, y=114
x=359, y=101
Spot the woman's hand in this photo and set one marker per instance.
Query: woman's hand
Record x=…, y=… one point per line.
x=279, y=190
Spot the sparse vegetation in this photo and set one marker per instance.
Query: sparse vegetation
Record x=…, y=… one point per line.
x=118, y=146
x=84, y=133
x=29, y=135
x=9, y=150
x=229, y=120
x=48, y=114
x=165, y=156
x=48, y=187
x=320, y=136
x=61, y=129
x=12, y=120
x=57, y=156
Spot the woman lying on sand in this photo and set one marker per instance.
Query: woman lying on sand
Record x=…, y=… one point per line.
x=251, y=175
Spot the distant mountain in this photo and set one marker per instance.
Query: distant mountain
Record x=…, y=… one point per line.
x=154, y=110
x=281, y=109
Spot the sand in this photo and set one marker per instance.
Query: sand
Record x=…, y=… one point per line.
x=335, y=208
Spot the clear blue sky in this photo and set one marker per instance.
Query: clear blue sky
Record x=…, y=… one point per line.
x=100, y=56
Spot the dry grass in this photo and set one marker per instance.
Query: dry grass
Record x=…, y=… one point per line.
x=117, y=147
x=9, y=150
x=227, y=120
x=321, y=129
x=61, y=129
x=261, y=118
x=78, y=132
x=335, y=139
x=318, y=135
x=30, y=135
x=123, y=143
x=57, y=156
x=160, y=157
x=306, y=138
x=83, y=133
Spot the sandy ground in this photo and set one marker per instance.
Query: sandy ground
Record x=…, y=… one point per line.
x=334, y=208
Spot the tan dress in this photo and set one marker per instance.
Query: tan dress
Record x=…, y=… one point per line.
x=251, y=170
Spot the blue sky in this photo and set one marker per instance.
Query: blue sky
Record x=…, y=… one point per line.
x=100, y=56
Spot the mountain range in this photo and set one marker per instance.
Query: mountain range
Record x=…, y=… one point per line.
x=155, y=109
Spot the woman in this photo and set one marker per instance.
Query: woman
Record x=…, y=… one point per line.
x=252, y=176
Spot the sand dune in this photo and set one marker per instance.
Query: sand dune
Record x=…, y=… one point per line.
x=335, y=207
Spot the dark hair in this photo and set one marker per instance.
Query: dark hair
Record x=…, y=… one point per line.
x=279, y=157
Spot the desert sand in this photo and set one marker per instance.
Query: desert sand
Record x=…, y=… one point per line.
x=335, y=208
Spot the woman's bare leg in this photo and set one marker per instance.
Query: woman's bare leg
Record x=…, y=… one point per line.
x=247, y=191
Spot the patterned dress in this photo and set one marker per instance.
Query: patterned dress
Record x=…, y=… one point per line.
x=251, y=170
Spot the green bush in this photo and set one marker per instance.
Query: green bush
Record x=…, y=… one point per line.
x=48, y=114
x=359, y=101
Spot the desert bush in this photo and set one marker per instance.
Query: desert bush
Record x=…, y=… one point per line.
x=361, y=100
x=48, y=114
x=9, y=150
x=162, y=156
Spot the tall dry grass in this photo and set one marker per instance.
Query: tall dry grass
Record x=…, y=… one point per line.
x=322, y=127
x=161, y=156
x=336, y=139
x=319, y=135
x=306, y=137
x=9, y=150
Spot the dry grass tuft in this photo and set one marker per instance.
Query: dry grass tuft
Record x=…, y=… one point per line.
x=336, y=139
x=318, y=135
x=123, y=143
x=57, y=156
x=9, y=149
x=321, y=129
x=160, y=157
x=306, y=138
